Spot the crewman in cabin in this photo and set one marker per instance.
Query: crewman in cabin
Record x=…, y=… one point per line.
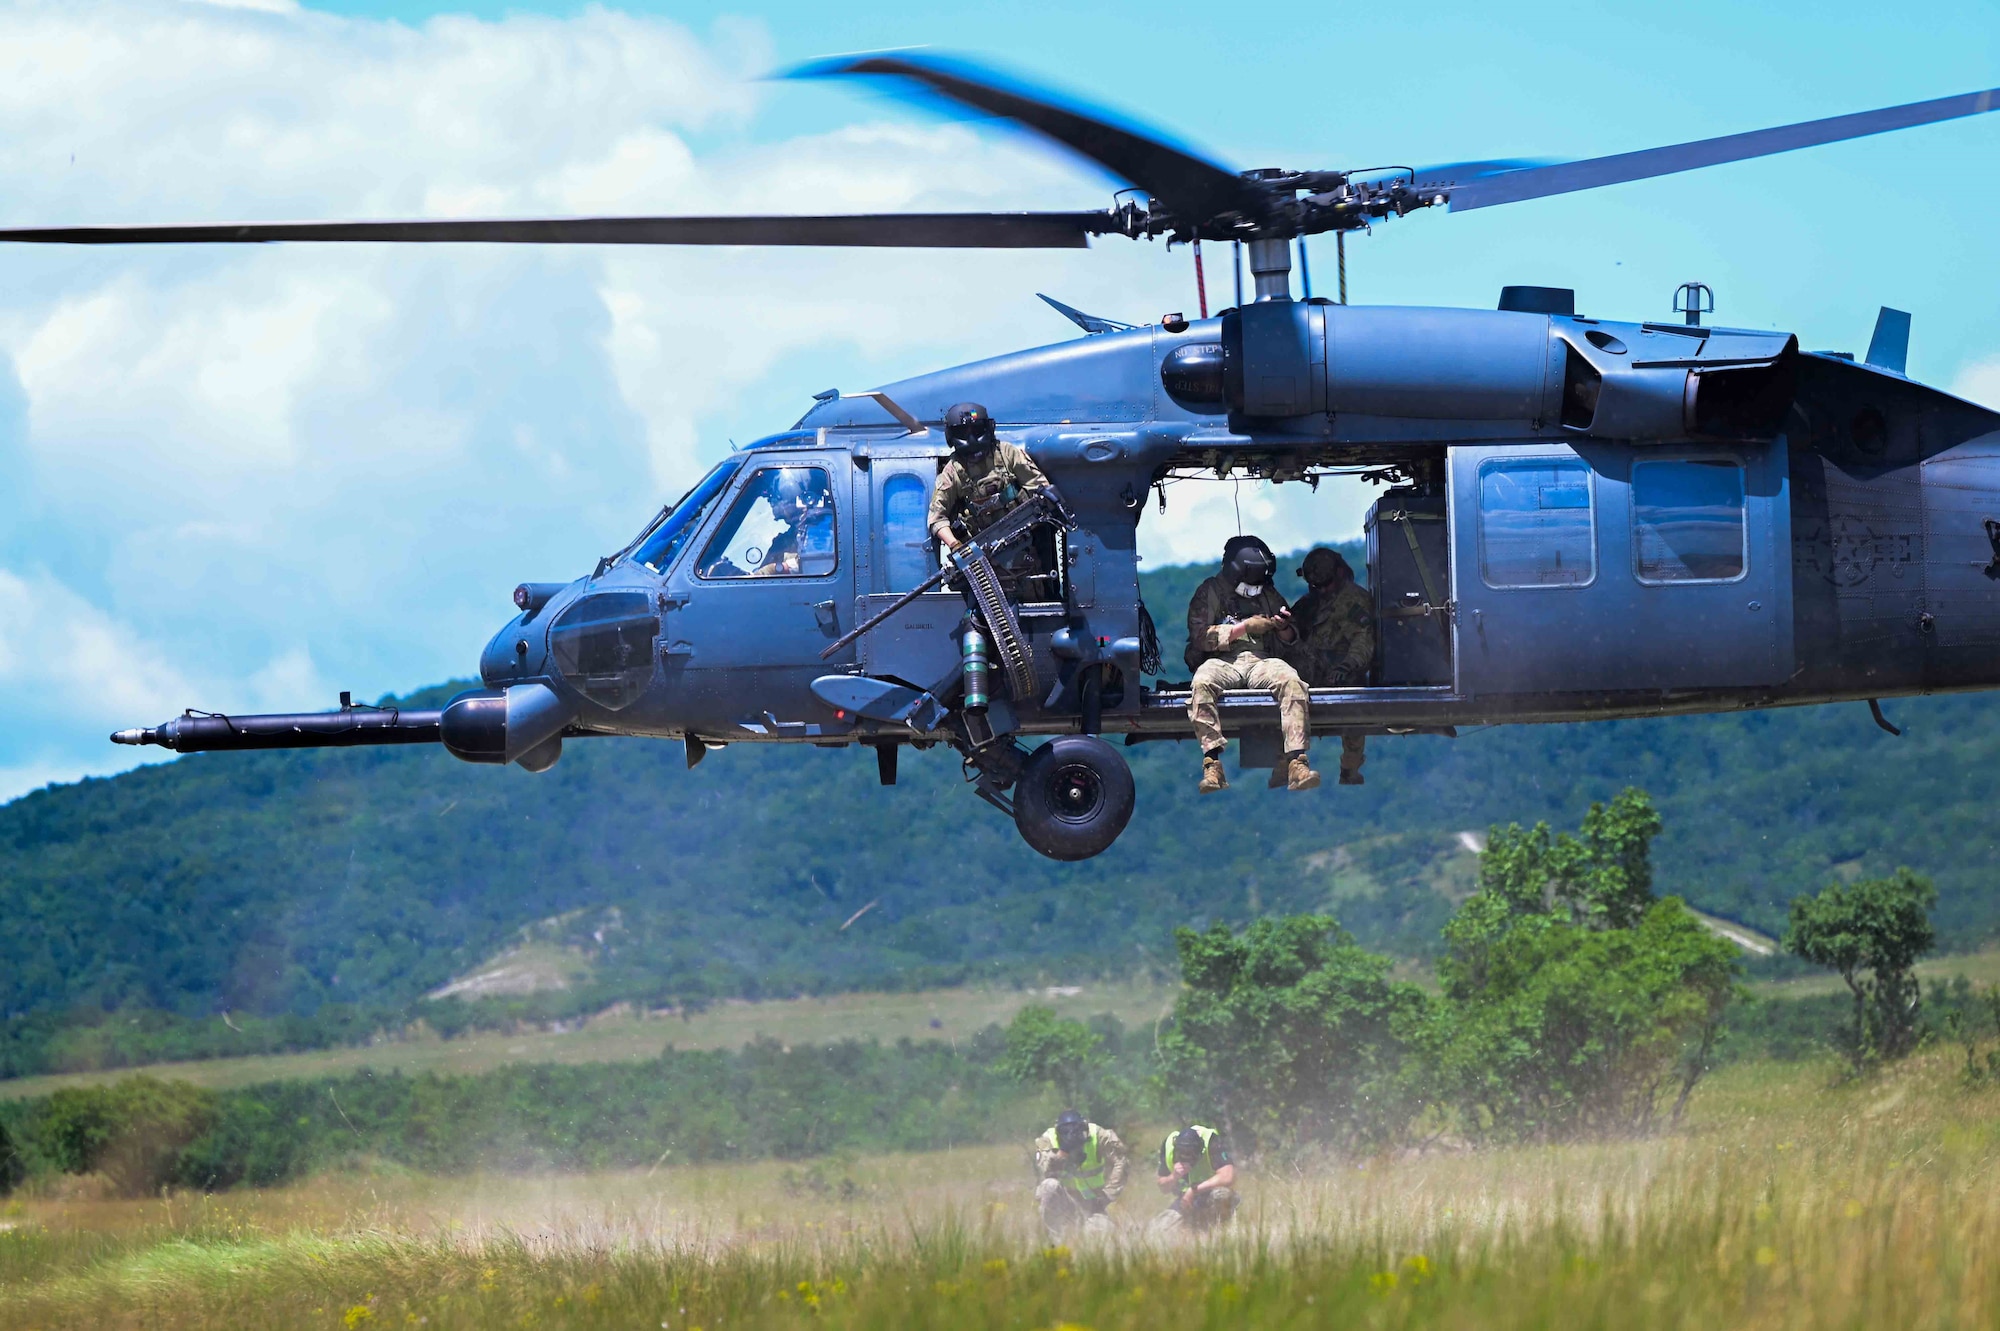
x=984, y=478
x=1237, y=622
x=1196, y=1173
x=1080, y=1169
x=1336, y=646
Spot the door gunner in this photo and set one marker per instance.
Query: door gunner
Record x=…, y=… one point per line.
x=983, y=479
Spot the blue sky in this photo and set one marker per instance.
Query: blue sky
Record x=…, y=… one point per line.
x=251, y=478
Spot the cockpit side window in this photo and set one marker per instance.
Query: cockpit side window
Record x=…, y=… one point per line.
x=780, y=526
x=656, y=550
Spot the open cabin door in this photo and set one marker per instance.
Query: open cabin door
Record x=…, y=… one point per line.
x=1609, y=567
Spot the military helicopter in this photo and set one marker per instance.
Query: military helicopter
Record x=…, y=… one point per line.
x=1581, y=518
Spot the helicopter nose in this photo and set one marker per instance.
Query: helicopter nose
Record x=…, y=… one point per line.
x=517, y=652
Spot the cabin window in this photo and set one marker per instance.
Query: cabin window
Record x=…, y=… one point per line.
x=1535, y=523
x=1687, y=520
x=906, y=551
x=781, y=526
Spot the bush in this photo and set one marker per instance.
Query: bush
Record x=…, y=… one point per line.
x=1045, y=1048
x=1574, y=1031
x=1572, y=998
x=12, y=1167
x=132, y=1133
x=1289, y=1033
x=1880, y=926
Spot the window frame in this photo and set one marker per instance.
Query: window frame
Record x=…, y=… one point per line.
x=729, y=468
x=1743, y=517
x=747, y=478
x=1479, y=509
x=928, y=485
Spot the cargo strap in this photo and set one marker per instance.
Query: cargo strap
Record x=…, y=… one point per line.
x=1432, y=601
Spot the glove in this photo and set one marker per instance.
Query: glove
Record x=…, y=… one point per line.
x=1258, y=625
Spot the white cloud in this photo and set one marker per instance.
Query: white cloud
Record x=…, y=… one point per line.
x=1980, y=382
x=248, y=476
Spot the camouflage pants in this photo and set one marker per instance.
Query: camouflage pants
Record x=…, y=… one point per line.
x=1211, y=1209
x=1249, y=671
x=1353, y=752
x=1064, y=1213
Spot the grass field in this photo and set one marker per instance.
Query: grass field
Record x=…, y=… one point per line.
x=623, y=1036
x=1786, y=1202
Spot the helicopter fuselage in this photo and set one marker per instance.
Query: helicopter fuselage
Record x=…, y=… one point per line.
x=1583, y=520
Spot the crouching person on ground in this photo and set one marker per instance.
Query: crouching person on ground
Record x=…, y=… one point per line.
x=1197, y=1173
x=1080, y=1168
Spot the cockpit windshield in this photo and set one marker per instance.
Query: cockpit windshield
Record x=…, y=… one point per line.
x=656, y=550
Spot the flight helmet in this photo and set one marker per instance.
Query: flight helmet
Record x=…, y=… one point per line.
x=968, y=428
x=1248, y=562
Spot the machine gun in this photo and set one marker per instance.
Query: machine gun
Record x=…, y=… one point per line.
x=972, y=563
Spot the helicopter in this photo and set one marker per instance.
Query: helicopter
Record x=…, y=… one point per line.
x=1580, y=518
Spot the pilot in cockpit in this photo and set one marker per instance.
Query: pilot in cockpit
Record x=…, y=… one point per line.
x=799, y=500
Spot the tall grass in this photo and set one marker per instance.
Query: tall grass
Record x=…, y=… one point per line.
x=1788, y=1203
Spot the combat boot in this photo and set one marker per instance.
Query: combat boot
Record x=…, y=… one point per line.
x=1351, y=776
x=1298, y=775
x=1213, y=778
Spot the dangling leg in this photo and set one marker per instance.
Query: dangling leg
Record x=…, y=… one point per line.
x=1211, y=679
x=1353, y=753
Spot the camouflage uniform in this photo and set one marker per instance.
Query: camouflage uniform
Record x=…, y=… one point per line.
x=1069, y=1192
x=965, y=487
x=1336, y=644
x=1250, y=662
x=1336, y=649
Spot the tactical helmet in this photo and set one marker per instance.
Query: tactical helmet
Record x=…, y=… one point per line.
x=1071, y=1129
x=1247, y=561
x=1321, y=565
x=1187, y=1144
x=968, y=428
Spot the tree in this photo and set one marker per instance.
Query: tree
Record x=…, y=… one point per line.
x=1881, y=926
x=1601, y=878
x=1572, y=998
x=1042, y=1047
x=1288, y=1032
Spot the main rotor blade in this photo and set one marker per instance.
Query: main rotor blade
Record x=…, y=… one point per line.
x=1565, y=177
x=1188, y=186
x=1007, y=231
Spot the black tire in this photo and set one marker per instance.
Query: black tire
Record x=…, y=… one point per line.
x=1074, y=797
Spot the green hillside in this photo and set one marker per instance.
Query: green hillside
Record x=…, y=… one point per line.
x=274, y=883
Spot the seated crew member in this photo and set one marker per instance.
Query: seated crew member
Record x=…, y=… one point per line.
x=1336, y=647
x=1236, y=622
x=984, y=478
x=805, y=546
x=1080, y=1169
x=1196, y=1172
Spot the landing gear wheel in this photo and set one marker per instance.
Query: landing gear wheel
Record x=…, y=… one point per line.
x=1074, y=796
